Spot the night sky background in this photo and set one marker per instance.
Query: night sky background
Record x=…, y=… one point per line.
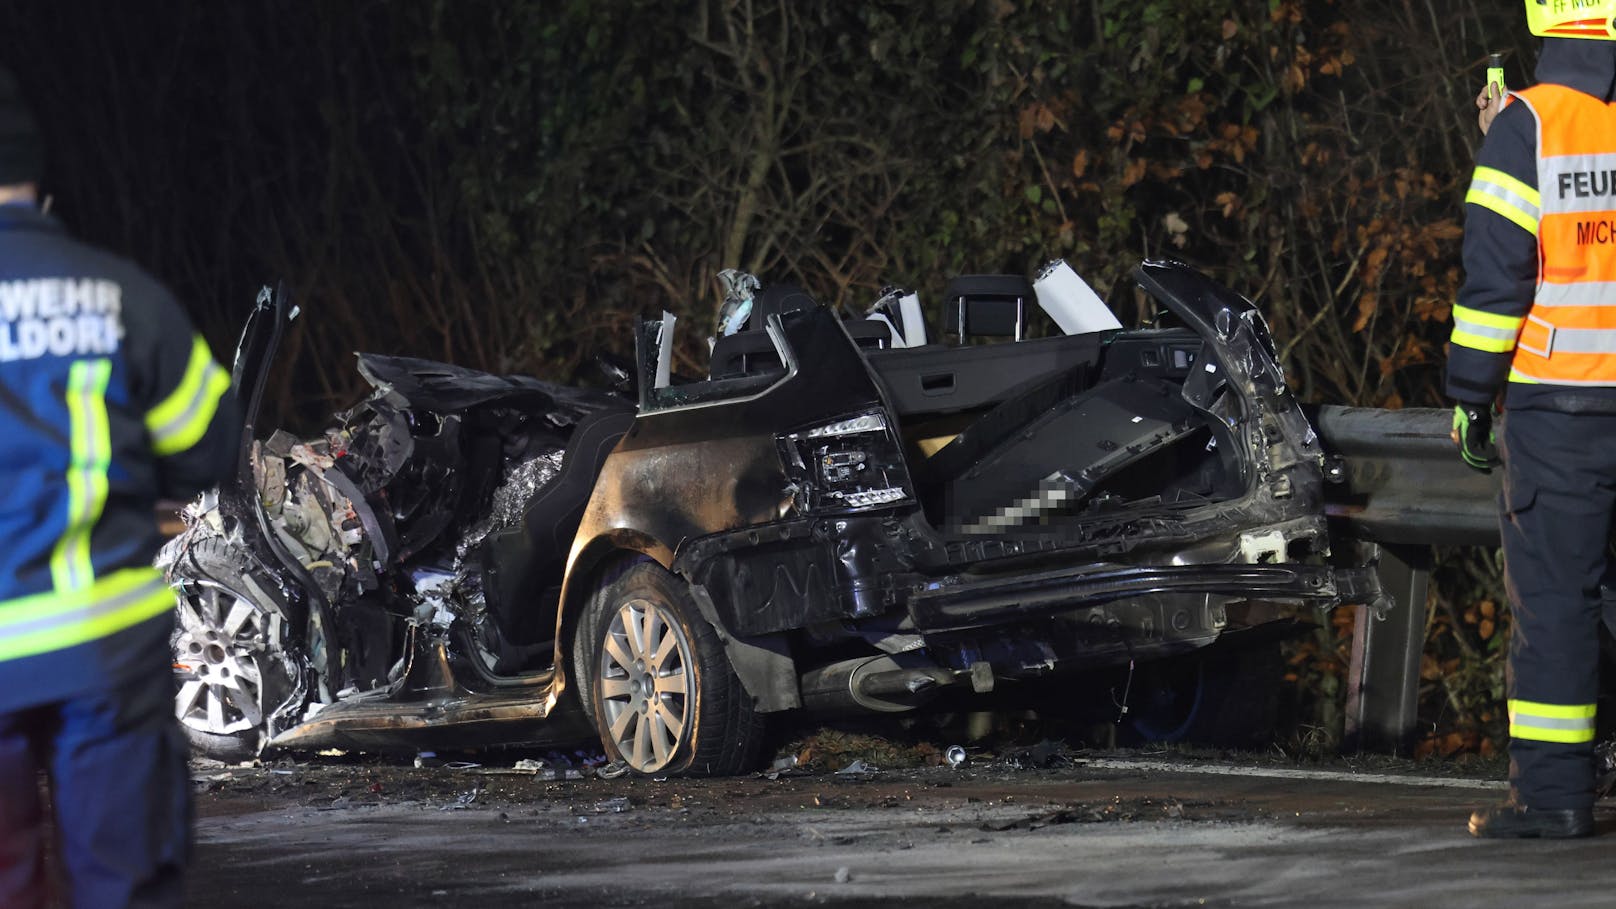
x=198, y=139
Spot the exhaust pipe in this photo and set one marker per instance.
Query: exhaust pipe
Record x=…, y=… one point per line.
x=881, y=684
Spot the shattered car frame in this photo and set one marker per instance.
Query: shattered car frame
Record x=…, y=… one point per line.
x=386, y=578
x=827, y=521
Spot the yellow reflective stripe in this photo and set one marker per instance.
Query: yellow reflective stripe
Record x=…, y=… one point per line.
x=1484, y=319
x=1558, y=736
x=1549, y=734
x=90, y=454
x=1485, y=331
x=1568, y=724
x=180, y=419
x=1492, y=176
x=49, y=621
x=1479, y=342
x=1516, y=375
x=1521, y=219
x=1553, y=711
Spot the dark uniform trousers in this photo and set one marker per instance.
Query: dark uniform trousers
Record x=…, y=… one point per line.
x=120, y=786
x=1559, y=496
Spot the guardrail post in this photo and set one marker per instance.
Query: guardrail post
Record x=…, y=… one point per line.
x=1384, y=678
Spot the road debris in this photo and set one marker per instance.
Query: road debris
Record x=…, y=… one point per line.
x=1118, y=809
x=1043, y=755
x=781, y=766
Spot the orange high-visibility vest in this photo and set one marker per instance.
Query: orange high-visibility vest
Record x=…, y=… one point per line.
x=1569, y=337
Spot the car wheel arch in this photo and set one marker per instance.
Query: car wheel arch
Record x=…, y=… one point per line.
x=596, y=563
x=714, y=724
x=764, y=663
x=593, y=569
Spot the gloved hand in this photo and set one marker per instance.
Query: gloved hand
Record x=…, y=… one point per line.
x=1473, y=433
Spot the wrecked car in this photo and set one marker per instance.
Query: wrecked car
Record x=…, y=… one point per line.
x=433, y=517
x=840, y=517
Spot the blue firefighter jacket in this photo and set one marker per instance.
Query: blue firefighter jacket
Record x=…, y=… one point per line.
x=108, y=401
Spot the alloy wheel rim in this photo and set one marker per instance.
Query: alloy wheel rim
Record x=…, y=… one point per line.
x=216, y=653
x=646, y=683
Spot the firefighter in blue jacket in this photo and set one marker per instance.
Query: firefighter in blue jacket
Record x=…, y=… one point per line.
x=108, y=402
x=1535, y=323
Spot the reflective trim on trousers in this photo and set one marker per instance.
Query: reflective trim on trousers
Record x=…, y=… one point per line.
x=1568, y=724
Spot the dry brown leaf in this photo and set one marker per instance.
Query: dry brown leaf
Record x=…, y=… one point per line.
x=1133, y=172
x=1429, y=670
x=1445, y=229
x=1367, y=302
x=1293, y=79
x=1080, y=162
x=1026, y=122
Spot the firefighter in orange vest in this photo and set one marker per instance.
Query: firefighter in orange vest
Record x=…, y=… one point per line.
x=1535, y=324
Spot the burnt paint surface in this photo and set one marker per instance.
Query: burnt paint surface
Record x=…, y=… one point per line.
x=684, y=473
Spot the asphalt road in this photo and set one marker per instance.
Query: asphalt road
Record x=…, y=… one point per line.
x=1113, y=832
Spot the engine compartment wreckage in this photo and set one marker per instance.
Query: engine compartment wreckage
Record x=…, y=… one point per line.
x=839, y=517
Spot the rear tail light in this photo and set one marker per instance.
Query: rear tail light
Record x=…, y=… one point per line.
x=851, y=463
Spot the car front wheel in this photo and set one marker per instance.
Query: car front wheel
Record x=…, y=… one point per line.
x=229, y=662
x=666, y=700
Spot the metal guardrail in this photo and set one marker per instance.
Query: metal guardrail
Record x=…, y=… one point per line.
x=1402, y=481
x=1401, y=484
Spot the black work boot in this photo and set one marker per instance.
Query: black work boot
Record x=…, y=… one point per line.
x=1512, y=821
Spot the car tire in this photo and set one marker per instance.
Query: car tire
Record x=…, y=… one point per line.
x=661, y=691
x=229, y=648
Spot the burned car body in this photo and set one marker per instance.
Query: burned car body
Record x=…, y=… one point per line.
x=870, y=525
x=397, y=573
x=827, y=521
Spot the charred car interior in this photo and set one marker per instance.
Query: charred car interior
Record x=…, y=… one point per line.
x=839, y=517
